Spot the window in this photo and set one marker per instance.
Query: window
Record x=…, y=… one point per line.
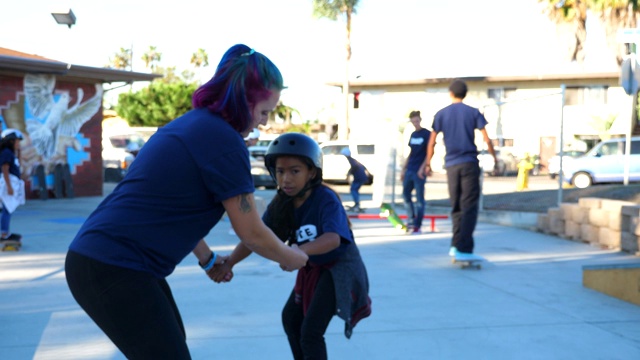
x=366, y=149
x=635, y=147
x=499, y=94
x=333, y=150
x=612, y=148
x=585, y=95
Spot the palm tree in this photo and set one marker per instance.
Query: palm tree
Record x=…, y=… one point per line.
x=572, y=13
x=121, y=60
x=332, y=9
x=200, y=58
x=151, y=58
x=284, y=112
x=615, y=15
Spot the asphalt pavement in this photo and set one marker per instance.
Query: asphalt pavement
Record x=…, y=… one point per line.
x=527, y=301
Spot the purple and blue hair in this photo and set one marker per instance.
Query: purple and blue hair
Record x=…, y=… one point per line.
x=243, y=78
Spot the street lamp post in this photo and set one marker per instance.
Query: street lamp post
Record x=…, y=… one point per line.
x=67, y=18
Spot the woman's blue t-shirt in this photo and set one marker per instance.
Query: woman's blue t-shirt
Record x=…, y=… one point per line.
x=321, y=213
x=171, y=196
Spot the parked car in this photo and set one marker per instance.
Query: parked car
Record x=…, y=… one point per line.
x=118, y=153
x=260, y=174
x=507, y=162
x=260, y=148
x=604, y=163
x=554, y=162
x=335, y=166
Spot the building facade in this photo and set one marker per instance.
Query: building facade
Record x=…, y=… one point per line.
x=58, y=108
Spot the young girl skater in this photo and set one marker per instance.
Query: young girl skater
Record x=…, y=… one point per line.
x=308, y=213
x=9, y=160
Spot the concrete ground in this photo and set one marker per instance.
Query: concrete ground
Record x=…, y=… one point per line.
x=527, y=302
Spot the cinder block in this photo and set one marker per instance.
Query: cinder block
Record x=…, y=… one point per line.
x=614, y=205
x=572, y=230
x=543, y=223
x=556, y=226
x=631, y=210
x=615, y=221
x=580, y=215
x=566, y=210
x=609, y=238
x=599, y=217
x=590, y=203
x=589, y=233
x=634, y=226
x=629, y=242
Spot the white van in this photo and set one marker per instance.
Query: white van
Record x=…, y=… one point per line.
x=117, y=150
x=335, y=166
x=604, y=164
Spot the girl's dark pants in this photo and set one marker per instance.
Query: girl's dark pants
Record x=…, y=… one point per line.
x=464, y=194
x=306, y=333
x=134, y=309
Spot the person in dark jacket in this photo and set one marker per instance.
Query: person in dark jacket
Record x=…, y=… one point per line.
x=360, y=177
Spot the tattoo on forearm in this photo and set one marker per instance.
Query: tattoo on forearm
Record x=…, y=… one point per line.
x=245, y=204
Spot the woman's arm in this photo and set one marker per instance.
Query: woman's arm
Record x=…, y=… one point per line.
x=257, y=237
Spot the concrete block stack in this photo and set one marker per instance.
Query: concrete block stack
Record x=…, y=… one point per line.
x=612, y=224
x=630, y=229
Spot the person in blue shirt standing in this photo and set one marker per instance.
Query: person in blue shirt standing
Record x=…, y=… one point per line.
x=411, y=176
x=458, y=122
x=360, y=177
x=308, y=213
x=10, y=162
x=183, y=180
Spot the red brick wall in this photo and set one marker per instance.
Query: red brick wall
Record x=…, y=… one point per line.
x=87, y=179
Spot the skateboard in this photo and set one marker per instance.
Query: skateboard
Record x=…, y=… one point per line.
x=354, y=209
x=470, y=263
x=11, y=245
x=387, y=211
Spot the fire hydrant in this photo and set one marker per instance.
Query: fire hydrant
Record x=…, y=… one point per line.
x=524, y=166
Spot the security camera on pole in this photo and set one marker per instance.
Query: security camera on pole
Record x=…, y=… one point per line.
x=629, y=80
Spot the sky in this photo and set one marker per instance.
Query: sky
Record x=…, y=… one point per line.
x=400, y=39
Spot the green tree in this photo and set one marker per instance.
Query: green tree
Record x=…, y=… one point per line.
x=152, y=58
x=602, y=125
x=157, y=104
x=612, y=14
x=615, y=15
x=120, y=60
x=284, y=112
x=572, y=14
x=200, y=58
x=333, y=9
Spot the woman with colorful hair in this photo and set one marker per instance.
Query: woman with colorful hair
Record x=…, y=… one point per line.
x=183, y=180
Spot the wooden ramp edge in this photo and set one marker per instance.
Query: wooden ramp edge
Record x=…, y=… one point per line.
x=621, y=280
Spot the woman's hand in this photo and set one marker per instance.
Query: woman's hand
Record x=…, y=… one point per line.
x=298, y=259
x=221, y=271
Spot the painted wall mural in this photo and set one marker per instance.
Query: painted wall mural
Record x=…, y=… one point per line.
x=51, y=119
